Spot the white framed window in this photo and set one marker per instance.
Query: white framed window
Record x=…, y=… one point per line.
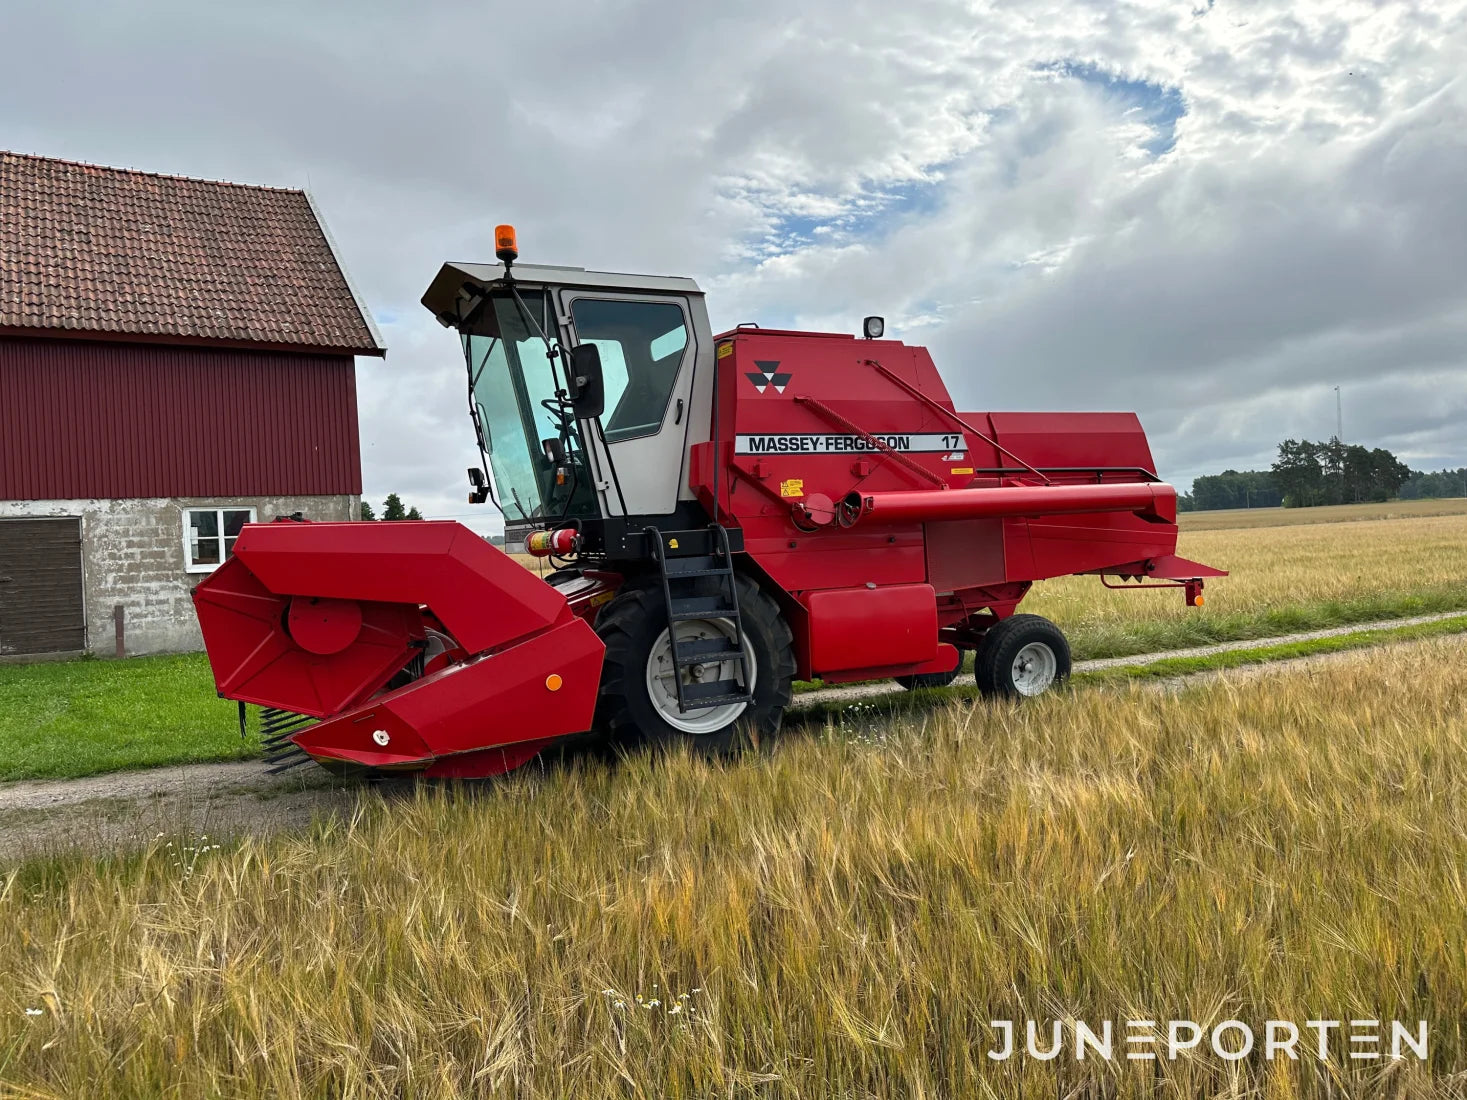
x=209, y=535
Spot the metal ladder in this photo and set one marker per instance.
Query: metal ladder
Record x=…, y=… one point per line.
x=678, y=566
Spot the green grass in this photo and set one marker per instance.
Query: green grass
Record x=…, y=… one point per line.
x=74, y=718
x=1236, y=658
x=1125, y=639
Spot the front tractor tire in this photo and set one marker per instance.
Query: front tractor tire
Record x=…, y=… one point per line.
x=637, y=698
x=1021, y=656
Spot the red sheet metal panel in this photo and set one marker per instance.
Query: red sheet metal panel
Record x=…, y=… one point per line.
x=316, y=617
x=857, y=628
x=84, y=419
x=965, y=553
x=1059, y=439
x=483, y=596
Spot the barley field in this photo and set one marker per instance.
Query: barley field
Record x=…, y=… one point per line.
x=1283, y=579
x=1337, y=513
x=841, y=918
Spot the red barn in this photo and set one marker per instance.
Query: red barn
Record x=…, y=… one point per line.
x=176, y=358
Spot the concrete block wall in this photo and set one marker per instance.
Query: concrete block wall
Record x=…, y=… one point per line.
x=133, y=555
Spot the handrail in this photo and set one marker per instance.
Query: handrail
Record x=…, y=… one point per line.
x=913, y=391
x=1001, y=471
x=890, y=452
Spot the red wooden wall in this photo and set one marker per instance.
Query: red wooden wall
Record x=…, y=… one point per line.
x=81, y=419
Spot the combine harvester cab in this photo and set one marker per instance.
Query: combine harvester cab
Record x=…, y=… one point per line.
x=723, y=514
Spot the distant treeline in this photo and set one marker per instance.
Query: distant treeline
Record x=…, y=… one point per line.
x=1308, y=473
x=1443, y=483
x=1232, y=489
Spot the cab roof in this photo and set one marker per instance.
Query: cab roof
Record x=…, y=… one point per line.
x=461, y=281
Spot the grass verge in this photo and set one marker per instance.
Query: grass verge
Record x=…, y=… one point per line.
x=841, y=918
x=1125, y=639
x=1169, y=667
x=67, y=719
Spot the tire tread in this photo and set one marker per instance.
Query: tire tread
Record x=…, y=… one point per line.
x=626, y=617
x=1003, y=641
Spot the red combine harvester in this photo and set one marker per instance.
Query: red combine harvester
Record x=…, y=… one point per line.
x=724, y=514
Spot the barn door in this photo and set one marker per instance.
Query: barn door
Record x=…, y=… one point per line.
x=41, y=586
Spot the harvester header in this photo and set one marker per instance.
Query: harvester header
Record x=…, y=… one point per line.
x=723, y=514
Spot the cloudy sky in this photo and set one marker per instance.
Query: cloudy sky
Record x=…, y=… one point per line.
x=1211, y=212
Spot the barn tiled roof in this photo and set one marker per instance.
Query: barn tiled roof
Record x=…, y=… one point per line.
x=106, y=250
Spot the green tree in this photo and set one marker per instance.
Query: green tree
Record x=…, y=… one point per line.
x=1336, y=473
x=1441, y=483
x=392, y=507
x=1372, y=475
x=1235, y=489
x=1333, y=486
x=1388, y=473
x=1298, y=473
x=413, y=513
x=367, y=512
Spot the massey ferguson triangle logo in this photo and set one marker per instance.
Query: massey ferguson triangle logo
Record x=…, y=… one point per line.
x=768, y=375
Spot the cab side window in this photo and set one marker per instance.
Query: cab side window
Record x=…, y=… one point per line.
x=641, y=347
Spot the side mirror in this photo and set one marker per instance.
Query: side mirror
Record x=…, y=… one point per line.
x=587, y=391
x=554, y=451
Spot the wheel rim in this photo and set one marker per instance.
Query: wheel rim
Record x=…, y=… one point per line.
x=1034, y=669
x=663, y=691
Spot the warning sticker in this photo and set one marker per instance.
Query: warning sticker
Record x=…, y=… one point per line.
x=836, y=444
x=794, y=487
x=725, y=350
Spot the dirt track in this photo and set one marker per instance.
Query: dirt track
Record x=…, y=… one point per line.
x=106, y=812
x=110, y=811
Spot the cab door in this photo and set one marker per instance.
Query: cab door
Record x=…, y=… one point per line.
x=649, y=348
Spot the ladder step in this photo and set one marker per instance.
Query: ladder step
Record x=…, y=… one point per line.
x=716, y=701
x=707, y=651
x=701, y=554
x=699, y=565
x=716, y=658
x=707, y=613
x=701, y=607
x=715, y=694
x=712, y=658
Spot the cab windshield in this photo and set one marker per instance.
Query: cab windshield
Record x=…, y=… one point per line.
x=535, y=450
